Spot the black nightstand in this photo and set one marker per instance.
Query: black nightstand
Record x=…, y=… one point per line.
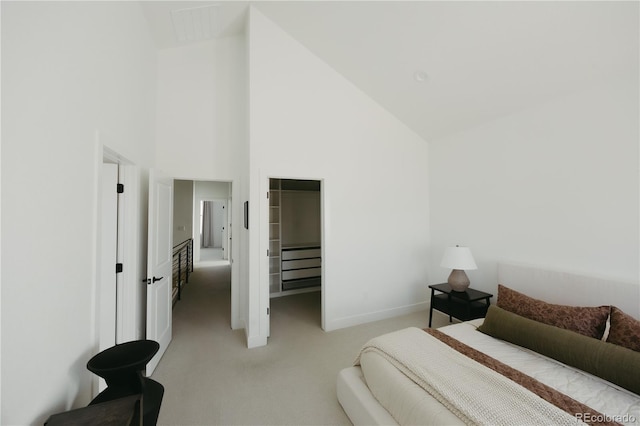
x=463, y=305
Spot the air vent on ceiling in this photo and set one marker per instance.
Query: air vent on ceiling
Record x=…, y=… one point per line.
x=196, y=23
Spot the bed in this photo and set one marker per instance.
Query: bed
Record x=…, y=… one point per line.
x=509, y=368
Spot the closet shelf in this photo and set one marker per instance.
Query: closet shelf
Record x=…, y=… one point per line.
x=294, y=217
x=301, y=266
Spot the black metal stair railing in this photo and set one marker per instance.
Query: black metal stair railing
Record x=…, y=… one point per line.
x=182, y=266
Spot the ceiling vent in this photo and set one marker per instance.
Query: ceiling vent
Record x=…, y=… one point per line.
x=196, y=23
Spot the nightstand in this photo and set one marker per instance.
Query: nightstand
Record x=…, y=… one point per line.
x=463, y=305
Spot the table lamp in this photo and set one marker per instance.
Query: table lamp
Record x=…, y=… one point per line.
x=458, y=259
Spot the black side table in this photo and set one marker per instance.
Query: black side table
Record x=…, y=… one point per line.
x=123, y=411
x=463, y=305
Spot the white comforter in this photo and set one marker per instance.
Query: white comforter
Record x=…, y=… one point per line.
x=620, y=405
x=472, y=391
x=623, y=406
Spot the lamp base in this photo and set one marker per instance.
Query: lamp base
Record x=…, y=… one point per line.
x=458, y=280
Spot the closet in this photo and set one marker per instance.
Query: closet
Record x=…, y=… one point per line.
x=295, y=262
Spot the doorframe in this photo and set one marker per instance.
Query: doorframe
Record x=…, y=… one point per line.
x=128, y=293
x=264, y=293
x=108, y=278
x=196, y=224
x=128, y=326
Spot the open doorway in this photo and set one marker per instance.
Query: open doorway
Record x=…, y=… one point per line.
x=213, y=230
x=203, y=217
x=203, y=213
x=295, y=244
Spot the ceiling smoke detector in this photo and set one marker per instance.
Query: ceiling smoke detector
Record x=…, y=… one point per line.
x=420, y=76
x=196, y=23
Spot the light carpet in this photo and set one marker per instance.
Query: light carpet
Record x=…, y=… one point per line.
x=211, y=378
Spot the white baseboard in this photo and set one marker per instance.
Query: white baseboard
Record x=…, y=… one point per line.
x=237, y=323
x=376, y=316
x=256, y=341
x=253, y=341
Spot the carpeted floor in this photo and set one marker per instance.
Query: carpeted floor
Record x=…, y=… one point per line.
x=211, y=378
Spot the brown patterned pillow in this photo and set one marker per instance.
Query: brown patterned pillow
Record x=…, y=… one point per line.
x=624, y=331
x=590, y=321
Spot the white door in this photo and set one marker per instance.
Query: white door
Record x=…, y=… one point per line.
x=108, y=250
x=159, y=263
x=218, y=223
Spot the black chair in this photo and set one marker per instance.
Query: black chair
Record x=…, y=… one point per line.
x=121, y=366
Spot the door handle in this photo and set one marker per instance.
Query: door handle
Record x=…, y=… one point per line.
x=148, y=280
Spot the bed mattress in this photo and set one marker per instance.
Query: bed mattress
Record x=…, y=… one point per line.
x=408, y=403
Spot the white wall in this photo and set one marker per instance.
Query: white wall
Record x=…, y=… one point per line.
x=555, y=186
x=309, y=122
x=201, y=136
x=67, y=71
x=201, y=130
x=201, y=109
x=211, y=190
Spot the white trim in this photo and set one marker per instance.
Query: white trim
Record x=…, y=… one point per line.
x=294, y=291
x=128, y=294
x=253, y=341
x=235, y=231
x=264, y=301
x=376, y=316
x=256, y=341
x=107, y=286
x=0, y=240
x=324, y=226
x=95, y=326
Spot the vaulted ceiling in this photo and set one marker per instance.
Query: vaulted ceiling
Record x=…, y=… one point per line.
x=439, y=66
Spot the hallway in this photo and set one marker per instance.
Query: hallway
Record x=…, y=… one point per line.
x=191, y=370
x=211, y=256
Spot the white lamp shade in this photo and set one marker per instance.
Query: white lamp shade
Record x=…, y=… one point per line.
x=458, y=258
